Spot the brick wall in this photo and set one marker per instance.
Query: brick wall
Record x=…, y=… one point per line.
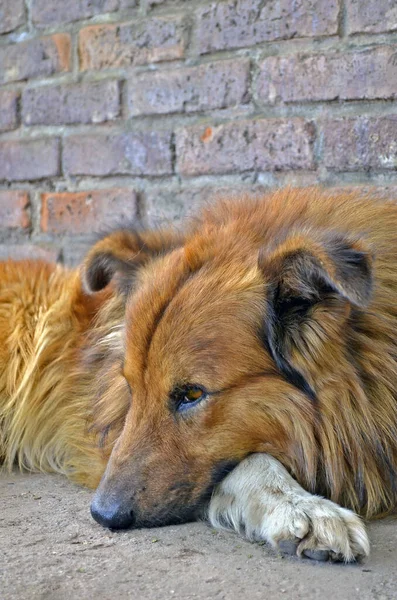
x=120, y=109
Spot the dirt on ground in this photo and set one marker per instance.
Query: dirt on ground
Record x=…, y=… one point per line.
x=50, y=548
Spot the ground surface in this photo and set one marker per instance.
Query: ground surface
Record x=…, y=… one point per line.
x=50, y=548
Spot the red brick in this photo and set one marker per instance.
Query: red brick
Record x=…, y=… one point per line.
x=8, y=110
x=65, y=104
x=40, y=57
x=84, y=212
x=12, y=15
x=14, y=209
x=262, y=145
x=210, y=86
x=137, y=153
x=51, y=12
x=369, y=74
x=369, y=16
x=30, y=159
x=28, y=251
x=226, y=25
x=360, y=143
x=128, y=44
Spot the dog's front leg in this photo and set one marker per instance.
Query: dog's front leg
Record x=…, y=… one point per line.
x=261, y=500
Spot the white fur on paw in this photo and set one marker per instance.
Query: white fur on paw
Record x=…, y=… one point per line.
x=320, y=527
x=316, y=527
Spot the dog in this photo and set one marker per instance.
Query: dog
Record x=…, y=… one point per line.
x=243, y=367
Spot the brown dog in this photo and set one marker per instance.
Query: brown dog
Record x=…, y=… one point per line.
x=265, y=327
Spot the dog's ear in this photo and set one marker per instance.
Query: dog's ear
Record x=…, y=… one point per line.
x=312, y=280
x=119, y=255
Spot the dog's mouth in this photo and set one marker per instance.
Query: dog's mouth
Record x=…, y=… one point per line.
x=120, y=510
x=117, y=515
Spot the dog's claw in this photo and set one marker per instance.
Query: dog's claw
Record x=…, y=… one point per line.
x=288, y=547
x=320, y=555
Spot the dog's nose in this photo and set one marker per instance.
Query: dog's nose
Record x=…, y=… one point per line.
x=112, y=515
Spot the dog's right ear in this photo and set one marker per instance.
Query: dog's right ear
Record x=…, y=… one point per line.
x=119, y=255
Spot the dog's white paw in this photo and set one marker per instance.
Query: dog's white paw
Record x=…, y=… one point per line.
x=317, y=528
x=271, y=506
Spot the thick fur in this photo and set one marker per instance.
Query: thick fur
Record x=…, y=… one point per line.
x=283, y=309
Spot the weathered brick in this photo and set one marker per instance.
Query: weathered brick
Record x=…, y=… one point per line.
x=84, y=212
x=368, y=74
x=8, y=110
x=65, y=104
x=31, y=159
x=264, y=145
x=209, y=86
x=225, y=25
x=12, y=15
x=128, y=4
x=367, y=16
x=179, y=3
x=382, y=192
x=360, y=143
x=137, y=153
x=29, y=251
x=128, y=44
x=40, y=57
x=14, y=209
x=45, y=12
x=184, y=3
x=167, y=205
x=73, y=254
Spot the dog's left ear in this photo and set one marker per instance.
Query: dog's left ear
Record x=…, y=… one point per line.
x=310, y=278
x=118, y=256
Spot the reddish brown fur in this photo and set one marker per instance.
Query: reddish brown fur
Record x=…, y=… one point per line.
x=201, y=311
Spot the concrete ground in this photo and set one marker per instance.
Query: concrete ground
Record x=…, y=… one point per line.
x=51, y=549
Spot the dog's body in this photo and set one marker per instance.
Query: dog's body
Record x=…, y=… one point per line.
x=265, y=327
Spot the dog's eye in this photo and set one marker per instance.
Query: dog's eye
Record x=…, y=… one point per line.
x=188, y=396
x=192, y=394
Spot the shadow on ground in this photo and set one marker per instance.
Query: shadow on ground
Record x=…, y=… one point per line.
x=50, y=548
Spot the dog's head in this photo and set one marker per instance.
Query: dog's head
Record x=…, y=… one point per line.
x=227, y=338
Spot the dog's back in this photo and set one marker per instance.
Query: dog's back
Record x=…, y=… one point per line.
x=43, y=316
